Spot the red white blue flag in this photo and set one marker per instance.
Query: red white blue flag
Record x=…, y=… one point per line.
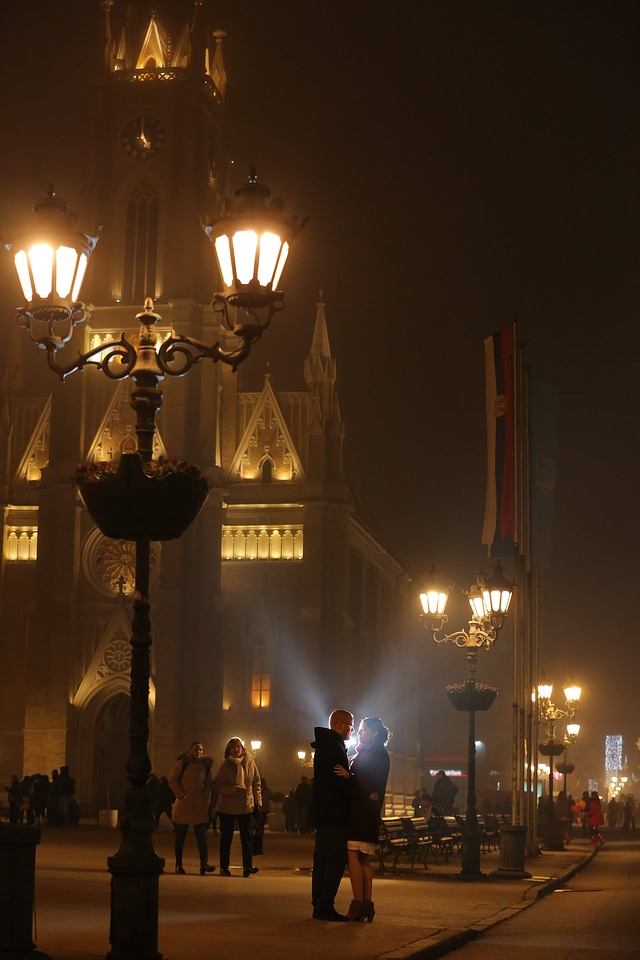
x=498, y=531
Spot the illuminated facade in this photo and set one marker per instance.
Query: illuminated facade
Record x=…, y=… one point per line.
x=279, y=603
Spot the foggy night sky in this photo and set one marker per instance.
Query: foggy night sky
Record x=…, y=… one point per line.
x=462, y=163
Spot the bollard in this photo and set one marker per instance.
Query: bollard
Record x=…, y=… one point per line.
x=17, y=879
x=512, y=849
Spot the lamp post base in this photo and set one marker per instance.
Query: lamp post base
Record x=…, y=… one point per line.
x=512, y=853
x=134, y=895
x=470, y=855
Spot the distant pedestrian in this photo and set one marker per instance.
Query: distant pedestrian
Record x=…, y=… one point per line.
x=628, y=816
x=66, y=794
x=562, y=813
x=13, y=797
x=289, y=811
x=40, y=797
x=595, y=818
x=444, y=792
x=304, y=799
x=612, y=813
x=190, y=781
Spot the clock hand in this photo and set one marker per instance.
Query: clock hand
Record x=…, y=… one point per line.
x=145, y=143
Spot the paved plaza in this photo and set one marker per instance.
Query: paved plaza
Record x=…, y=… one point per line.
x=418, y=913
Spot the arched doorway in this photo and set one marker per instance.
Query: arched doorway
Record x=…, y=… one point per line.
x=111, y=750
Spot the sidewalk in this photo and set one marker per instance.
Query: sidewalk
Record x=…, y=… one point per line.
x=268, y=916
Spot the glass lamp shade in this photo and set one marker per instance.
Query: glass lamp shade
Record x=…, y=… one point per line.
x=475, y=596
x=572, y=693
x=51, y=262
x=252, y=245
x=573, y=729
x=301, y=755
x=497, y=593
x=434, y=600
x=256, y=744
x=545, y=690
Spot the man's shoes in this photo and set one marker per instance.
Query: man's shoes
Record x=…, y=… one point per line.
x=329, y=915
x=249, y=871
x=180, y=869
x=225, y=873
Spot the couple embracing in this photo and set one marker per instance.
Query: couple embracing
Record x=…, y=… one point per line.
x=348, y=796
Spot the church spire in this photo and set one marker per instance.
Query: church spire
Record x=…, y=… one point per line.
x=320, y=367
x=326, y=432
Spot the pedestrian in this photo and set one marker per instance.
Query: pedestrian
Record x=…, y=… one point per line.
x=444, y=792
x=190, y=781
x=628, y=815
x=289, y=810
x=416, y=803
x=26, y=814
x=40, y=797
x=368, y=771
x=54, y=814
x=329, y=813
x=239, y=800
x=562, y=813
x=166, y=799
x=304, y=798
x=66, y=788
x=13, y=796
x=583, y=804
x=612, y=813
x=427, y=806
x=594, y=818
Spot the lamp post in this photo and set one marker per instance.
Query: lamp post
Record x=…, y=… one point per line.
x=251, y=242
x=570, y=737
x=489, y=601
x=549, y=713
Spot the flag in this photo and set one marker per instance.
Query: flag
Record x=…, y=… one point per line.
x=543, y=403
x=498, y=530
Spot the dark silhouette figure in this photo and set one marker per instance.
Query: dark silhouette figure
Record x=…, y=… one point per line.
x=289, y=808
x=444, y=792
x=303, y=796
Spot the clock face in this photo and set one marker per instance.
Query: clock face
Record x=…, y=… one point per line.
x=143, y=138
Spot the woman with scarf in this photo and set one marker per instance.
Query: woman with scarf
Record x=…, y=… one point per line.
x=369, y=770
x=239, y=798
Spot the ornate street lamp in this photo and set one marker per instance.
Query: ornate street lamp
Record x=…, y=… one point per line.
x=549, y=713
x=564, y=767
x=251, y=241
x=489, y=601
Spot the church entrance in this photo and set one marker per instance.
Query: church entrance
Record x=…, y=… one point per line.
x=111, y=750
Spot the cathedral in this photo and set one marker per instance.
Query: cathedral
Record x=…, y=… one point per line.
x=279, y=603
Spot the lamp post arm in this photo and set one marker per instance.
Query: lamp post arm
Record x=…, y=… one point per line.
x=116, y=359
x=178, y=354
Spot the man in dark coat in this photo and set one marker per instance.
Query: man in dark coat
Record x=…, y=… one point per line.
x=444, y=792
x=329, y=813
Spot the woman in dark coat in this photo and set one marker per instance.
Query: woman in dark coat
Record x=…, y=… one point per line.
x=369, y=770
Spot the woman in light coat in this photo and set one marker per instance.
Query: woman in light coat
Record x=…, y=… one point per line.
x=191, y=782
x=239, y=798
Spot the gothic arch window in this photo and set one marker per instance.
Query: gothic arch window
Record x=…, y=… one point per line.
x=141, y=243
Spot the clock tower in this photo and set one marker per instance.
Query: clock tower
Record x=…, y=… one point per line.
x=158, y=161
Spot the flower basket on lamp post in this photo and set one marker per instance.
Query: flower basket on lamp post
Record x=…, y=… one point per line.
x=156, y=502
x=471, y=695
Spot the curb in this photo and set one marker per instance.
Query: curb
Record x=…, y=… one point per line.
x=443, y=942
